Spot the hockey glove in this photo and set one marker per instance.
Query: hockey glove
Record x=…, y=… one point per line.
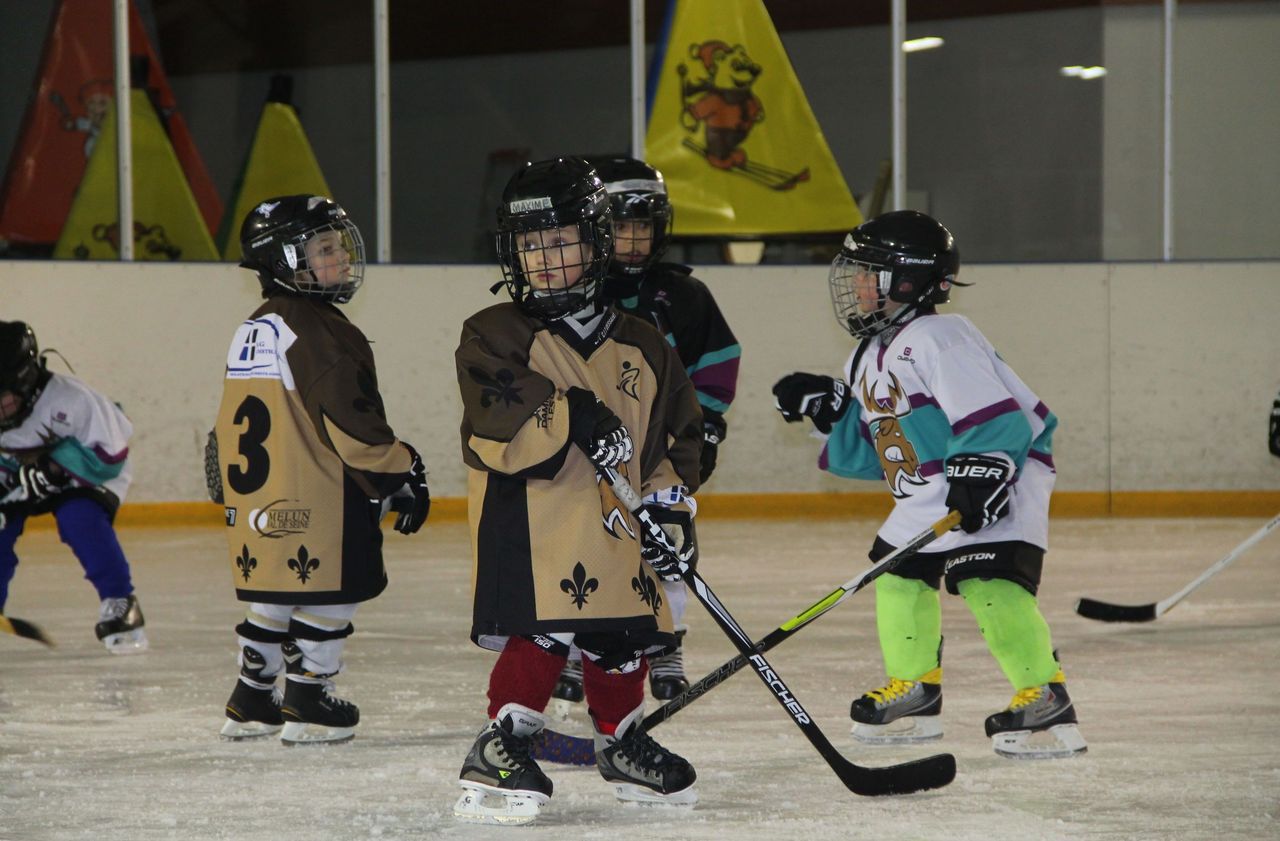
x=35, y=484
x=1274, y=438
x=597, y=430
x=212, y=472
x=979, y=489
x=823, y=399
x=412, y=516
x=668, y=542
x=713, y=432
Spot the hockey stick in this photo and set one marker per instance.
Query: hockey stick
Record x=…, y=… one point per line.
x=930, y=772
x=25, y=629
x=1107, y=612
x=574, y=750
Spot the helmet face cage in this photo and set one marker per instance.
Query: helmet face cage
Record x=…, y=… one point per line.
x=643, y=203
x=555, y=237
x=305, y=244
x=20, y=370
x=913, y=261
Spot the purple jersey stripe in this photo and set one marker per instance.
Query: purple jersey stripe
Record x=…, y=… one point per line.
x=1043, y=458
x=108, y=458
x=718, y=381
x=919, y=400
x=930, y=468
x=1042, y=411
x=983, y=415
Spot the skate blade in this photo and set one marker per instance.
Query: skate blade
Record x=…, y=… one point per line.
x=632, y=793
x=1062, y=741
x=485, y=805
x=127, y=642
x=301, y=733
x=236, y=731
x=908, y=730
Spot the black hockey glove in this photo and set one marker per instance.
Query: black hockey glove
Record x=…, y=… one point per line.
x=713, y=432
x=823, y=399
x=1274, y=438
x=597, y=430
x=677, y=528
x=979, y=489
x=412, y=515
x=36, y=483
x=212, y=472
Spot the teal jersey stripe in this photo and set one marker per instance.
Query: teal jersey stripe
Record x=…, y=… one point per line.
x=712, y=403
x=714, y=357
x=1009, y=433
x=83, y=462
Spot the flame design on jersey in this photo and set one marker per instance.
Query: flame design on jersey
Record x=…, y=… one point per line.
x=898, y=457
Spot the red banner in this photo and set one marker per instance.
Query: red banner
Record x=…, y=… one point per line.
x=74, y=92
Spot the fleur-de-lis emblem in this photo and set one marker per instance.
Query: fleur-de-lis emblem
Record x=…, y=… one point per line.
x=246, y=563
x=647, y=590
x=580, y=587
x=497, y=387
x=304, y=564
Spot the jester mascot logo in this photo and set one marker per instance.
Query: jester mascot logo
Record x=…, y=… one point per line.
x=717, y=95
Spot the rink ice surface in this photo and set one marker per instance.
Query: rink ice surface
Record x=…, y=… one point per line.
x=1181, y=714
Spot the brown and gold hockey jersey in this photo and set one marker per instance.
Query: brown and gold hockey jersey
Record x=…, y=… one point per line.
x=306, y=454
x=554, y=551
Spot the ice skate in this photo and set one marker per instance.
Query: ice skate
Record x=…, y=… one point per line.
x=901, y=712
x=666, y=673
x=642, y=770
x=253, y=710
x=568, y=691
x=120, y=626
x=502, y=783
x=1040, y=723
x=312, y=714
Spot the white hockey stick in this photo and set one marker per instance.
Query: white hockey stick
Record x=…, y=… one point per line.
x=1106, y=612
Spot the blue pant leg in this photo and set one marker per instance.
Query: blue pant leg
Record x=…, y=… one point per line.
x=8, y=558
x=84, y=525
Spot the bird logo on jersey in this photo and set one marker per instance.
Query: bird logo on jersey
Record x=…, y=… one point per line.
x=898, y=457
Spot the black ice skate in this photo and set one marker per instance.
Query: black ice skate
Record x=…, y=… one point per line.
x=502, y=783
x=568, y=691
x=666, y=673
x=641, y=769
x=253, y=710
x=312, y=714
x=1040, y=723
x=120, y=626
x=901, y=712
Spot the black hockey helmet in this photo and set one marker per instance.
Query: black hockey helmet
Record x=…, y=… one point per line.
x=276, y=240
x=913, y=259
x=555, y=237
x=637, y=193
x=22, y=370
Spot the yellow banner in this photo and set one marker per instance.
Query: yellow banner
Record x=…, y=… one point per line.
x=732, y=132
x=280, y=163
x=167, y=224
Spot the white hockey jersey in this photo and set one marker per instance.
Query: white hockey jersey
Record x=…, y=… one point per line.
x=936, y=389
x=81, y=430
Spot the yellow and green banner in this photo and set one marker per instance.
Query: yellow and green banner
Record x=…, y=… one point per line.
x=733, y=134
x=280, y=163
x=167, y=224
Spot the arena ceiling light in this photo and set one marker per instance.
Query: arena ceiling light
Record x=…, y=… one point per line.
x=915, y=45
x=1080, y=72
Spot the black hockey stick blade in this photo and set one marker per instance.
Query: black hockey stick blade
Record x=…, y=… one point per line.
x=919, y=775
x=1107, y=612
x=25, y=629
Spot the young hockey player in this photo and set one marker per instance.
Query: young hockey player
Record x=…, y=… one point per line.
x=554, y=385
x=64, y=450
x=928, y=404
x=306, y=461
x=683, y=309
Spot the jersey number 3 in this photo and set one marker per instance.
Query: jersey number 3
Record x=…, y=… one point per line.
x=257, y=461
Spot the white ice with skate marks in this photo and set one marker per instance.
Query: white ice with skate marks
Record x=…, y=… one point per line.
x=95, y=746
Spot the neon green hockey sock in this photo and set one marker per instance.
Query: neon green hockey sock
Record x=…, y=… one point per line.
x=909, y=620
x=1015, y=631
